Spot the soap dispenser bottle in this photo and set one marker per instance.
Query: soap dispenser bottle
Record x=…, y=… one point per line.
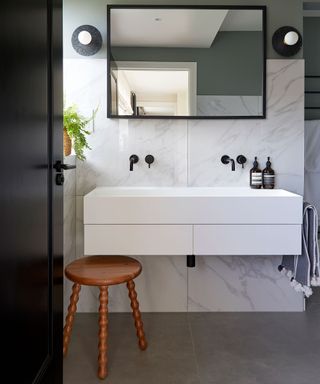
x=268, y=176
x=255, y=175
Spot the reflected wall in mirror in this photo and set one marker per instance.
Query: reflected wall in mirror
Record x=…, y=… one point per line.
x=186, y=62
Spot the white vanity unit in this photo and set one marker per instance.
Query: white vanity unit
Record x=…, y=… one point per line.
x=191, y=221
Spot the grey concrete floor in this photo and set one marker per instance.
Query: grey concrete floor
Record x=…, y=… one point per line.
x=201, y=348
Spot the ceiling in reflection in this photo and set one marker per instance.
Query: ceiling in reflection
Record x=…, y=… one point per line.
x=195, y=29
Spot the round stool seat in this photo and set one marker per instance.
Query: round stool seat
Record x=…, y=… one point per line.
x=103, y=270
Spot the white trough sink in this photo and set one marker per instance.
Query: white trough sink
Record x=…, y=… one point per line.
x=179, y=205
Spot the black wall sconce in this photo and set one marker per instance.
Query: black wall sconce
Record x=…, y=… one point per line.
x=86, y=40
x=287, y=41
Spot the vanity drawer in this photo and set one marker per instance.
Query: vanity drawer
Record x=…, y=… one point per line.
x=138, y=239
x=247, y=239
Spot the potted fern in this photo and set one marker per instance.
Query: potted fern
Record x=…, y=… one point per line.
x=74, y=132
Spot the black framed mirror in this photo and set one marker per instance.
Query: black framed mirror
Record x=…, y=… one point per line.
x=186, y=62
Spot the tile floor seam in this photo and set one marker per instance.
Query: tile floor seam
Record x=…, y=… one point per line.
x=194, y=349
x=187, y=290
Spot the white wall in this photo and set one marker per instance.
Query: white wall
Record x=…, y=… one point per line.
x=188, y=153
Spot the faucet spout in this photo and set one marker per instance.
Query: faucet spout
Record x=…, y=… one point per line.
x=133, y=160
x=226, y=160
x=233, y=166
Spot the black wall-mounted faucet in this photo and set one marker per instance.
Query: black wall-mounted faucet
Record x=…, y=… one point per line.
x=226, y=160
x=133, y=160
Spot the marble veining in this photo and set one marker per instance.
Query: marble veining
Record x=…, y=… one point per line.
x=221, y=105
x=233, y=283
x=108, y=164
x=279, y=136
x=188, y=153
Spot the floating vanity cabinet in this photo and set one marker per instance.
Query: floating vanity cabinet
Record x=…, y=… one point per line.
x=200, y=221
x=138, y=239
x=247, y=239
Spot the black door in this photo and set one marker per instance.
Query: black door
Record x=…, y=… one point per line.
x=30, y=202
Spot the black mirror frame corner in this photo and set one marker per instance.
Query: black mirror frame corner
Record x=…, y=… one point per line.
x=263, y=8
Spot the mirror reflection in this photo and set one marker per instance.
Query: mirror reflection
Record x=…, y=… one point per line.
x=186, y=62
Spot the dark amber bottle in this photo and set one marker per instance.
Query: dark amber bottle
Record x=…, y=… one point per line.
x=268, y=176
x=255, y=175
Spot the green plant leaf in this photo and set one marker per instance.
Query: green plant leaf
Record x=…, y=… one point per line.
x=75, y=125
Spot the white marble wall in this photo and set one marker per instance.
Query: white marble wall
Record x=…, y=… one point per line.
x=188, y=153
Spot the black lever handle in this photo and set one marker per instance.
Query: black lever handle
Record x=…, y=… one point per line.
x=241, y=160
x=59, y=166
x=149, y=159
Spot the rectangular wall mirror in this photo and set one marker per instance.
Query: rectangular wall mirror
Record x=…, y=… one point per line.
x=200, y=62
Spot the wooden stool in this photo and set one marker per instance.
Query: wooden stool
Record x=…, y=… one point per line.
x=103, y=271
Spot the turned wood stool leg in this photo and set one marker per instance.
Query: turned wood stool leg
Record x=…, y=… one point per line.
x=103, y=333
x=137, y=315
x=70, y=317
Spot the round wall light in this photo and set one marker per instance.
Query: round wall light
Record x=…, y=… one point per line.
x=287, y=41
x=86, y=40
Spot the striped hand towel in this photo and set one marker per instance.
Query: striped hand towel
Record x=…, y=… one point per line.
x=304, y=270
